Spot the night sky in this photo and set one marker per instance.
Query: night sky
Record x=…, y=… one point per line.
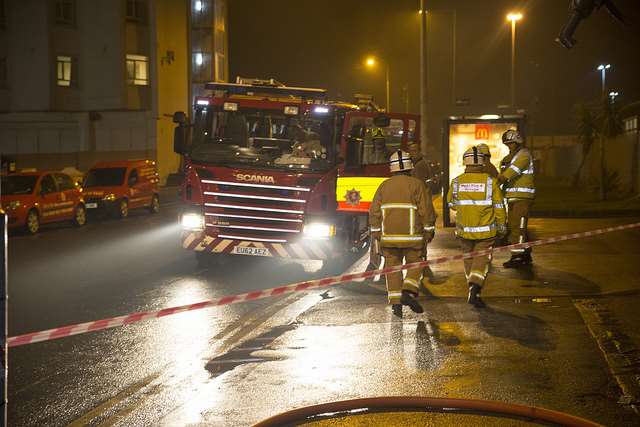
x=323, y=44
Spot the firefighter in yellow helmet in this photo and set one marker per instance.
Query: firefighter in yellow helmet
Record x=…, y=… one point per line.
x=517, y=179
x=380, y=153
x=488, y=166
x=402, y=217
x=480, y=218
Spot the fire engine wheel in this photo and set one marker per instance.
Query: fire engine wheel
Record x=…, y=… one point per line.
x=32, y=225
x=154, y=207
x=80, y=217
x=123, y=208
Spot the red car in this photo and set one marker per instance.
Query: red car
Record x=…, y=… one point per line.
x=34, y=198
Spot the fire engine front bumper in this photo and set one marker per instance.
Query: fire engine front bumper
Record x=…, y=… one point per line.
x=304, y=249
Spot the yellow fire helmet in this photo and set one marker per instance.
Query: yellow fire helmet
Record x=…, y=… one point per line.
x=377, y=133
x=473, y=157
x=400, y=161
x=512, y=135
x=484, y=150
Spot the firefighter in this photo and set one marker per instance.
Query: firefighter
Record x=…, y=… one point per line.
x=480, y=218
x=421, y=168
x=488, y=166
x=380, y=153
x=517, y=179
x=402, y=217
x=422, y=171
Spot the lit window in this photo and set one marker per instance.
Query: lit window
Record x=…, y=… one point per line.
x=220, y=67
x=136, y=10
x=631, y=124
x=137, y=70
x=64, y=70
x=65, y=12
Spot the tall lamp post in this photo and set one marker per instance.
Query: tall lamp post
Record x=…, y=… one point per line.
x=371, y=62
x=514, y=18
x=603, y=77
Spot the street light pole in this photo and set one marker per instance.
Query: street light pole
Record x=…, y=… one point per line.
x=423, y=76
x=388, y=90
x=513, y=17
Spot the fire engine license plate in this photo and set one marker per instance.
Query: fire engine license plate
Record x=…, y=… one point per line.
x=243, y=250
x=91, y=205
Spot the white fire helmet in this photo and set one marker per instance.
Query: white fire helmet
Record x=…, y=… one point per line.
x=473, y=157
x=512, y=135
x=400, y=161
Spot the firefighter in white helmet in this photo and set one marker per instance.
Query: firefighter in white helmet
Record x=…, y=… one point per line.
x=402, y=217
x=517, y=179
x=480, y=218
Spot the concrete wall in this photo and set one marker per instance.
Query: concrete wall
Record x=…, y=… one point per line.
x=28, y=53
x=556, y=156
x=170, y=65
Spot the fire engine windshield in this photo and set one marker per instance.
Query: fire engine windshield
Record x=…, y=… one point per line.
x=18, y=184
x=105, y=177
x=264, y=138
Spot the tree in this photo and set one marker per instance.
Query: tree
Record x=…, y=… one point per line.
x=587, y=126
x=609, y=127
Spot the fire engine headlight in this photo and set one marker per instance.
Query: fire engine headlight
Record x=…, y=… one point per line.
x=109, y=197
x=319, y=230
x=192, y=221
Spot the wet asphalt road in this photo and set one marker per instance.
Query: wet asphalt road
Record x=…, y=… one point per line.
x=237, y=364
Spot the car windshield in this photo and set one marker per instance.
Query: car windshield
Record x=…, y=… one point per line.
x=18, y=184
x=105, y=177
x=264, y=138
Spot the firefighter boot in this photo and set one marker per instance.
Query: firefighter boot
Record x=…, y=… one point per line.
x=519, y=260
x=397, y=310
x=474, y=296
x=410, y=299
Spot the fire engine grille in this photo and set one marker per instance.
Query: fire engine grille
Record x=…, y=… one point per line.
x=254, y=212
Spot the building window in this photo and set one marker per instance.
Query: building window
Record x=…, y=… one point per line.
x=136, y=10
x=137, y=70
x=64, y=70
x=65, y=12
x=631, y=124
x=4, y=75
x=3, y=16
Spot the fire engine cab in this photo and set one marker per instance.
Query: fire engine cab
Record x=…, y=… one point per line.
x=280, y=171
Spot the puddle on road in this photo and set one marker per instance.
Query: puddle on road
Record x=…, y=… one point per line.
x=242, y=355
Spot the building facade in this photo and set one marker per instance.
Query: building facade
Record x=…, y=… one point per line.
x=82, y=81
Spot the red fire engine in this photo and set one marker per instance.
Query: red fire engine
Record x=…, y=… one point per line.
x=280, y=171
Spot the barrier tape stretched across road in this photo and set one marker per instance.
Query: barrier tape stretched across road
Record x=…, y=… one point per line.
x=98, y=325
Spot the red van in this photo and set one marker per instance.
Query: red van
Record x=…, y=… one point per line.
x=34, y=198
x=116, y=187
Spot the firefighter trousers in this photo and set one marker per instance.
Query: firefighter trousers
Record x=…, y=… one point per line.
x=517, y=219
x=476, y=269
x=395, y=283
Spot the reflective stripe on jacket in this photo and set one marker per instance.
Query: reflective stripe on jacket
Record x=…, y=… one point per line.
x=517, y=169
x=402, y=210
x=479, y=206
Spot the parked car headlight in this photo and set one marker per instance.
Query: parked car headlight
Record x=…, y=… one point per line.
x=109, y=197
x=192, y=221
x=319, y=230
x=15, y=204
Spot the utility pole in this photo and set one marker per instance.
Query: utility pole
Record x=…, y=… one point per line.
x=423, y=76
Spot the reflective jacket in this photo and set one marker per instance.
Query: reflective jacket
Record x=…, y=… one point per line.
x=479, y=205
x=517, y=169
x=491, y=169
x=402, y=210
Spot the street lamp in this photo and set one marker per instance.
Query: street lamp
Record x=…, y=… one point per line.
x=371, y=62
x=513, y=17
x=603, y=73
x=613, y=95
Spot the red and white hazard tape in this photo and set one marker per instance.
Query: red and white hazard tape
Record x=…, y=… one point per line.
x=98, y=325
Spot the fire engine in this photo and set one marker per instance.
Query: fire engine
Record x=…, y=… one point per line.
x=280, y=171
